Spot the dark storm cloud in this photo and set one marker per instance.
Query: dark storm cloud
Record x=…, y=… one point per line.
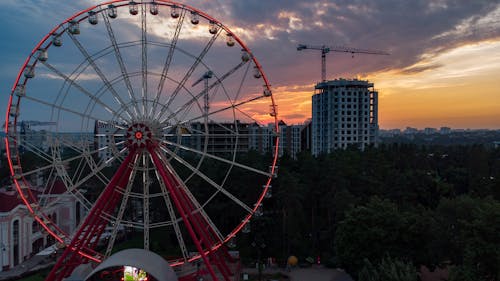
x=406, y=29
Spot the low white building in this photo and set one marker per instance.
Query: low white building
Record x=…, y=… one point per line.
x=21, y=236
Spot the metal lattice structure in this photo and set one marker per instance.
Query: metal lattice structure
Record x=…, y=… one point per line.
x=146, y=109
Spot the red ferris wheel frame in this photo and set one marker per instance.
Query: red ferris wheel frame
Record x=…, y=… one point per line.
x=28, y=198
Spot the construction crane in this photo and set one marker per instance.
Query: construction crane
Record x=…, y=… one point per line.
x=341, y=49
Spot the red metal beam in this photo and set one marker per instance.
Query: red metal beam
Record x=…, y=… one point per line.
x=172, y=185
x=72, y=257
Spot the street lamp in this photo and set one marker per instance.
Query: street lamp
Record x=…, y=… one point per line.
x=260, y=246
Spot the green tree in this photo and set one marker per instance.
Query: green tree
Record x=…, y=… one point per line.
x=369, y=232
x=388, y=270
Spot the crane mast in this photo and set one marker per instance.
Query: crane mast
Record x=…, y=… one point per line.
x=341, y=49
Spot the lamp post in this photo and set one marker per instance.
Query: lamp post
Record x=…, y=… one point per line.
x=260, y=246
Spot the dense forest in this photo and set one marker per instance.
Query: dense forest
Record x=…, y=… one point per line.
x=382, y=213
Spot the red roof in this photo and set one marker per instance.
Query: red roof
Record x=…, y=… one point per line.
x=57, y=187
x=8, y=201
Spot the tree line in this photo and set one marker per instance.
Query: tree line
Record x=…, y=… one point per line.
x=387, y=210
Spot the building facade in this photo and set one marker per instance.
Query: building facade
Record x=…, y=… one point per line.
x=21, y=236
x=344, y=113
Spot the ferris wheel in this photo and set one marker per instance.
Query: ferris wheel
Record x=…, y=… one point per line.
x=137, y=119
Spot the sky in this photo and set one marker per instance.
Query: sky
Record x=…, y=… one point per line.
x=442, y=70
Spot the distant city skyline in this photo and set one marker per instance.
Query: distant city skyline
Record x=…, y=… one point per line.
x=442, y=70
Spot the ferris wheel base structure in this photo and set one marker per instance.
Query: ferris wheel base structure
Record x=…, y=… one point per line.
x=130, y=261
x=169, y=159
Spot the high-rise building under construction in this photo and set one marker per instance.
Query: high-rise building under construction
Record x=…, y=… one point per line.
x=344, y=113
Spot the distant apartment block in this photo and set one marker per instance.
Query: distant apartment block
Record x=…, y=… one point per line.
x=410, y=131
x=215, y=138
x=445, y=130
x=430, y=131
x=344, y=113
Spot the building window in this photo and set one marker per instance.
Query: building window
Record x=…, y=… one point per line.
x=15, y=241
x=34, y=227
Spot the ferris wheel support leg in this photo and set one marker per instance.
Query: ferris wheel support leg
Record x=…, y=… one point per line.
x=171, y=186
x=209, y=235
x=72, y=255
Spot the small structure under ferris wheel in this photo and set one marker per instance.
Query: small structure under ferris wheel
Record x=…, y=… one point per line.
x=140, y=79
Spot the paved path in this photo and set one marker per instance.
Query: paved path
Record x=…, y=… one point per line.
x=318, y=274
x=33, y=264
x=314, y=273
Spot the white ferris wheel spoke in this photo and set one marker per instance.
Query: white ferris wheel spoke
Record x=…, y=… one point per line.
x=173, y=218
x=168, y=60
x=121, y=211
x=232, y=163
x=192, y=199
x=81, y=89
x=191, y=69
x=195, y=98
x=208, y=180
x=119, y=59
x=144, y=53
x=101, y=75
x=145, y=187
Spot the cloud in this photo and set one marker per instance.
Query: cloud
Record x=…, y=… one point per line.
x=294, y=116
x=416, y=33
x=419, y=68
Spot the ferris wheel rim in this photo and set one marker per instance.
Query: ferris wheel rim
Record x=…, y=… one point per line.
x=61, y=236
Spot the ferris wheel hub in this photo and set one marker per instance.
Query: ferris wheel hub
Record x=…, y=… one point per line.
x=139, y=135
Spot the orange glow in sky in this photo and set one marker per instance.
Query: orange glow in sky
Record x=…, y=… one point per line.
x=457, y=88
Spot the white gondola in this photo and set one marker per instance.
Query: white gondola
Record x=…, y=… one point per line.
x=23, y=186
x=174, y=13
x=92, y=18
x=272, y=112
x=229, y=40
x=29, y=71
x=56, y=40
x=256, y=72
x=17, y=171
x=259, y=211
x=267, y=92
x=132, y=8
x=12, y=128
x=247, y=228
x=245, y=56
x=13, y=111
x=269, y=192
x=195, y=18
x=43, y=55
x=74, y=27
x=232, y=243
x=112, y=12
x=153, y=9
x=275, y=173
x=212, y=27
x=20, y=90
